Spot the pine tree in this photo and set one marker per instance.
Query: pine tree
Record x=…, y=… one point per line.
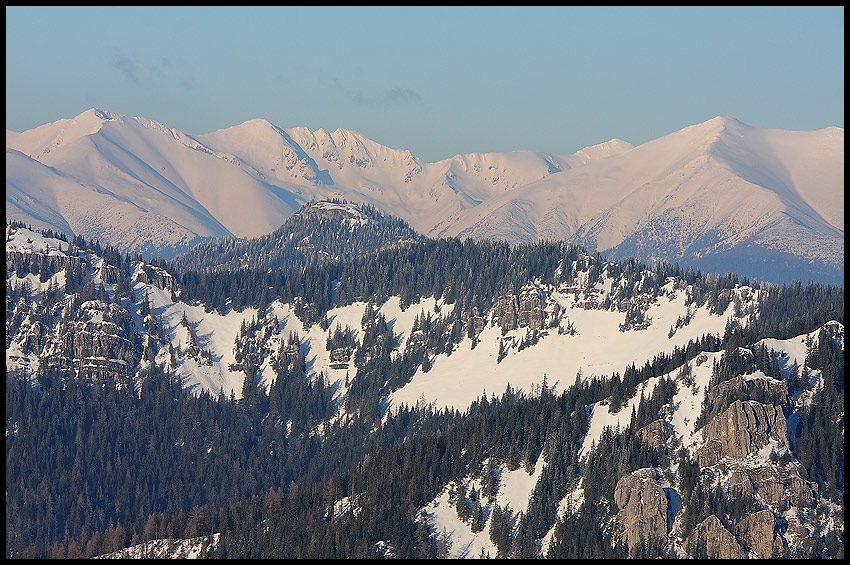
x=461, y=504
x=490, y=480
x=477, y=516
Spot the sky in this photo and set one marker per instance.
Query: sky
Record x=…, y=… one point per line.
x=439, y=81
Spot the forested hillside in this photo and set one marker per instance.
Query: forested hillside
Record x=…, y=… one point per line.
x=324, y=231
x=117, y=433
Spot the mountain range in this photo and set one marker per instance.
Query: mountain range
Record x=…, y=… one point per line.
x=721, y=195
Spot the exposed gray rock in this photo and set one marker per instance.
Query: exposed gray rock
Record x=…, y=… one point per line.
x=740, y=483
x=520, y=311
x=800, y=492
x=110, y=274
x=38, y=262
x=655, y=433
x=797, y=535
x=764, y=390
x=643, y=507
x=768, y=484
x=744, y=428
x=156, y=277
x=531, y=304
x=475, y=322
x=339, y=357
x=96, y=341
x=719, y=542
x=505, y=312
x=760, y=533
x=776, y=485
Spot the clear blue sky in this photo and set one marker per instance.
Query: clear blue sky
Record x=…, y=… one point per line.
x=436, y=80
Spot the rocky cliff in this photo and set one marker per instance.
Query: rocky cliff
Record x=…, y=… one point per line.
x=743, y=429
x=711, y=539
x=523, y=310
x=642, y=507
x=760, y=532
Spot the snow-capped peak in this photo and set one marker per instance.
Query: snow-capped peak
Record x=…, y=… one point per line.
x=726, y=183
x=97, y=114
x=46, y=138
x=602, y=150
x=256, y=126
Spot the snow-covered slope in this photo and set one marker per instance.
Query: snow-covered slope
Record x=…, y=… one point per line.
x=596, y=348
x=690, y=196
x=679, y=417
x=580, y=329
x=721, y=195
x=344, y=163
x=577, y=336
x=141, y=185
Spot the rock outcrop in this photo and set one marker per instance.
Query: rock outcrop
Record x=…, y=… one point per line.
x=760, y=533
x=740, y=483
x=475, y=323
x=97, y=342
x=40, y=263
x=520, y=311
x=768, y=484
x=531, y=306
x=157, y=277
x=340, y=356
x=762, y=389
x=642, y=505
x=775, y=485
x=655, y=434
x=744, y=428
x=712, y=538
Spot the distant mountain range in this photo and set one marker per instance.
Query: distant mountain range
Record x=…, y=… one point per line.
x=721, y=195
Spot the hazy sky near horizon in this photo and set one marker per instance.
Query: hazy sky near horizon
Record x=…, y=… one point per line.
x=438, y=81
